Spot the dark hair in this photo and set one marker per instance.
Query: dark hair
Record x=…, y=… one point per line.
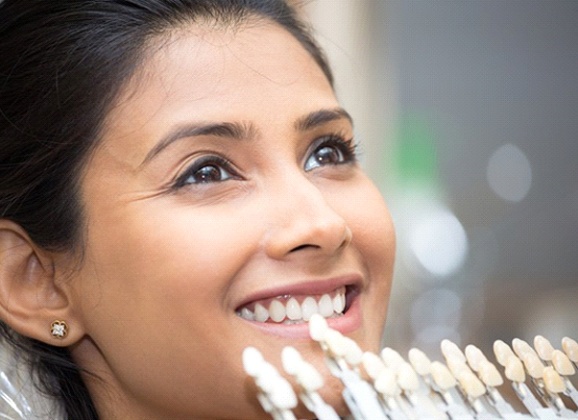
x=63, y=63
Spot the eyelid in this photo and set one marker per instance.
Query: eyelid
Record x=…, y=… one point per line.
x=337, y=137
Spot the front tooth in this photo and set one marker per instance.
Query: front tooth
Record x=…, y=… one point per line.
x=277, y=311
x=261, y=314
x=326, y=306
x=339, y=303
x=308, y=308
x=293, y=309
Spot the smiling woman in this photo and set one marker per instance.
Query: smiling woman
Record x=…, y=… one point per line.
x=177, y=182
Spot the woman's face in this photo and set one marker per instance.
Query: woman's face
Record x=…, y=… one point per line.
x=225, y=184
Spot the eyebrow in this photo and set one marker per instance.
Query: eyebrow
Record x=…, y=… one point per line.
x=240, y=130
x=233, y=130
x=317, y=118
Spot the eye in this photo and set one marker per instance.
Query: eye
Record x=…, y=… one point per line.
x=331, y=150
x=207, y=170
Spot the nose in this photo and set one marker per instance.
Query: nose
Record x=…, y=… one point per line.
x=302, y=220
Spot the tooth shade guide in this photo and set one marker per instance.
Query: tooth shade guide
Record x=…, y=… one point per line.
x=450, y=350
x=521, y=348
x=318, y=328
x=372, y=364
x=455, y=366
x=514, y=369
x=489, y=375
x=405, y=395
x=570, y=348
x=471, y=385
x=407, y=378
x=442, y=376
x=252, y=361
x=308, y=377
x=420, y=362
x=386, y=383
x=533, y=365
x=502, y=352
x=391, y=358
x=353, y=354
x=553, y=381
x=543, y=347
x=291, y=359
x=475, y=357
x=275, y=393
x=309, y=381
x=562, y=363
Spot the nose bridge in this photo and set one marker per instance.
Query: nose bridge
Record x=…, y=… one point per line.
x=303, y=219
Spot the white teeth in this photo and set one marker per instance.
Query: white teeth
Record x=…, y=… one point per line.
x=277, y=311
x=339, y=302
x=291, y=311
x=309, y=307
x=247, y=314
x=325, y=306
x=261, y=314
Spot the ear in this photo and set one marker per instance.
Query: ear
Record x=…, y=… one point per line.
x=31, y=298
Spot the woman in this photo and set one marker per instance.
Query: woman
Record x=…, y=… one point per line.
x=177, y=182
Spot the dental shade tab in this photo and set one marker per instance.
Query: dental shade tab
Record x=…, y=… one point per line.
x=547, y=382
x=560, y=362
x=310, y=381
x=340, y=352
x=276, y=395
x=465, y=387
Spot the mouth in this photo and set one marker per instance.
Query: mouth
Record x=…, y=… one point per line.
x=285, y=311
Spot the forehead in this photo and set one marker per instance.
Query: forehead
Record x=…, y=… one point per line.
x=209, y=72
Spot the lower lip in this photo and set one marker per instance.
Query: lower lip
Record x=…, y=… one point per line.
x=347, y=323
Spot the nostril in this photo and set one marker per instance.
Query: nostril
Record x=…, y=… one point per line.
x=345, y=241
x=304, y=246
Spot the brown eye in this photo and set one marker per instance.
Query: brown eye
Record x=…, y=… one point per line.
x=206, y=170
x=206, y=174
x=331, y=151
x=326, y=155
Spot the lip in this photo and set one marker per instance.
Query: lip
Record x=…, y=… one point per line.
x=347, y=323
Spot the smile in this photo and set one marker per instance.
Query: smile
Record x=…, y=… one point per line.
x=290, y=310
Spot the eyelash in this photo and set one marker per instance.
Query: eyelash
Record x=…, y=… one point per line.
x=347, y=150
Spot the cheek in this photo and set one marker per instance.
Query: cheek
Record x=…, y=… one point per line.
x=374, y=239
x=163, y=263
x=161, y=284
x=373, y=232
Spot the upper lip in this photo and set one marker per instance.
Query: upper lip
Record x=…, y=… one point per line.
x=308, y=287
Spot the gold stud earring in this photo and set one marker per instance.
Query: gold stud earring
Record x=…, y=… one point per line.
x=59, y=329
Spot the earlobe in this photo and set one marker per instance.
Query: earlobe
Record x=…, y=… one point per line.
x=31, y=300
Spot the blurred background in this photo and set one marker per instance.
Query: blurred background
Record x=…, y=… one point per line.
x=468, y=116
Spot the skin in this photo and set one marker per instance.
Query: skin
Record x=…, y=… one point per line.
x=165, y=268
